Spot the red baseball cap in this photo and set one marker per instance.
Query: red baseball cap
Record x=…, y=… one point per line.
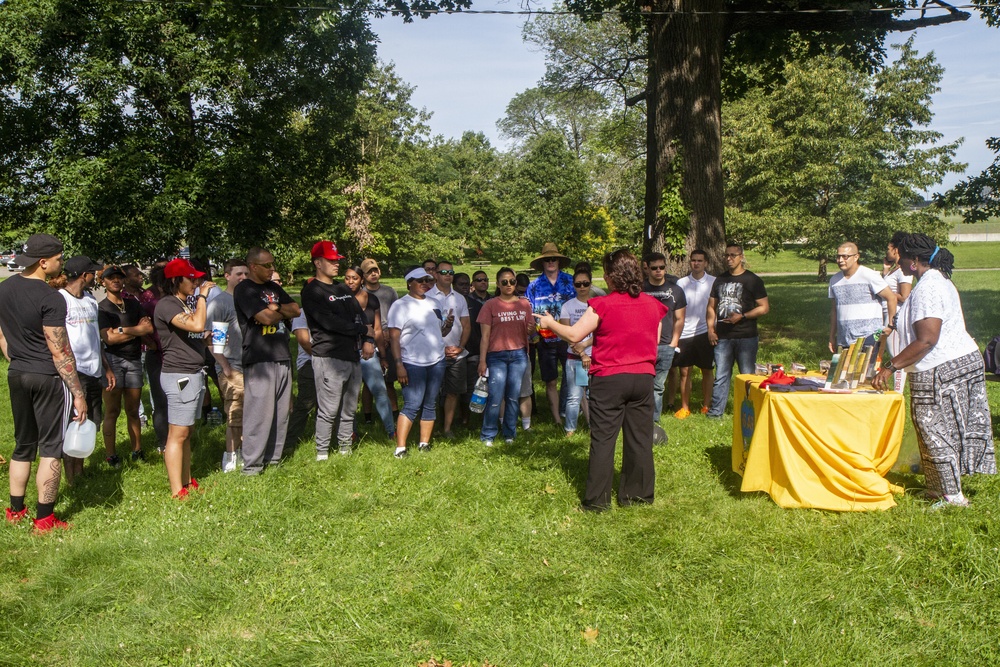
x=181, y=268
x=326, y=250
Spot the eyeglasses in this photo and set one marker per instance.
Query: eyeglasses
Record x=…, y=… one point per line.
x=508, y=282
x=658, y=268
x=480, y=280
x=446, y=272
x=846, y=256
x=733, y=255
x=582, y=283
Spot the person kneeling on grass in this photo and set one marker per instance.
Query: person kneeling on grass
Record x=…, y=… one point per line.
x=417, y=327
x=182, y=339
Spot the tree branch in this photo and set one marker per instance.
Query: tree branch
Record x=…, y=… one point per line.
x=635, y=99
x=861, y=19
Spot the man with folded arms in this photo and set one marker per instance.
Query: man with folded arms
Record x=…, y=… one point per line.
x=262, y=307
x=41, y=377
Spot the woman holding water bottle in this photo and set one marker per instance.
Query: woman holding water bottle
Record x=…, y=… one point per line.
x=506, y=324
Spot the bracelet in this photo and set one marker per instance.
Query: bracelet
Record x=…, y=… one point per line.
x=201, y=296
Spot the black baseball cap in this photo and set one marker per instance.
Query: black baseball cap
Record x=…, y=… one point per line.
x=81, y=264
x=38, y=246
x=112, y=271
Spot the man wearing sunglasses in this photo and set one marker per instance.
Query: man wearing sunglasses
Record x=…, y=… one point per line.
x=262, y=308
x=480, y=287
x=738, y=298
x=663, y=287
x=857, y=293
x=547, y=294
x=455, y=382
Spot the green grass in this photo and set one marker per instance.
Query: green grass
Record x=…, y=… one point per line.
x=959, y=226
x=476, y=555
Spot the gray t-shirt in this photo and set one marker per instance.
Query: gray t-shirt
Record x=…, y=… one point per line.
x=386, y=297
x=222, y=309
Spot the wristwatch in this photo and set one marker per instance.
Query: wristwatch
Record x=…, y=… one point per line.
x=887, y=365
x=121, y=330
x=677, y=350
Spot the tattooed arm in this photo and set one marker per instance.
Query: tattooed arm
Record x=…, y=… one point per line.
x=65, y=362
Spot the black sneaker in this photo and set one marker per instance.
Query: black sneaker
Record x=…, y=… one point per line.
x=137, y=455
x=113, y=461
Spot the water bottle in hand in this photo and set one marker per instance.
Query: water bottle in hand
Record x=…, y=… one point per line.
x=479, y=395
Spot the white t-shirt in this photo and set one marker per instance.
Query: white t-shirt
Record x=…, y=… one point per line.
x=452, y=301
x=572, y=311
x=859, y=307
x=83, y=332
x=894, y=280
x=419, y=322
x=696, y=292
x=935, y=296
x=299, y=322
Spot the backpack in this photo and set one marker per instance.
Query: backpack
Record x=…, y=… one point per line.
x=990, y=356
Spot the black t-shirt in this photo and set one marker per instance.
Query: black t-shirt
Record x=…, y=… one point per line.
x=371, y=308
x=109, y=316
x=183, y=351
x=336, y=321
x=26, y=305
x=736, y=294
x=671, y=296
x=261, y=342
x=476, y=329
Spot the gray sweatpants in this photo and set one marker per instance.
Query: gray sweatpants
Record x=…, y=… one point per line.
x=337, y=385
x=267, y=395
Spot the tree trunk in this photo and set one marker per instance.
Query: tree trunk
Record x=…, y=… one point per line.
x=684, y=101
x=821, y=273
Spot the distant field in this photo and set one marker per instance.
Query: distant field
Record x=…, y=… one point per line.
x=991, y=226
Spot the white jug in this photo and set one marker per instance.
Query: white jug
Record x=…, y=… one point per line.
x=80, y=439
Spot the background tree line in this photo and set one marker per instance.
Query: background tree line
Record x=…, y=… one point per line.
x=131, y=129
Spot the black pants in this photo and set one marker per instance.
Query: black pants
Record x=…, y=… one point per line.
x=305, y=403
x=93, y=391
x=154, y=365
x=621, y=402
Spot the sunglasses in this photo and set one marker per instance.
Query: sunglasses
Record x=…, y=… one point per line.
x=481, y=280
x=508, y=283
x=425, y=281
x=582, y=283
x=446, y=272
x=658, y=268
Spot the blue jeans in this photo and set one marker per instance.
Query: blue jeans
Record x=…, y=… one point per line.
x=371, y=373
x=506, y=372
x=421, y=391
x=664, y=359
x=574, y=393
x=741, y=350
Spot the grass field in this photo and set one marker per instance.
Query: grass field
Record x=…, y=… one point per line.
x=479, y=556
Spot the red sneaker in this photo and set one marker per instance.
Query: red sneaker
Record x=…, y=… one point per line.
x=182, y=494
x=15, y=517
x=48, y=523
x=193, y=484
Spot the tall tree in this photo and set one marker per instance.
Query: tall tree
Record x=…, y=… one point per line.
x=977, y=197
x=687, y=45
x=835, y=154
x=130, y=126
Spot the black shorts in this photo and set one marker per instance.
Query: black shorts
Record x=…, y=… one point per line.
x=455, y=377
x=551, y=359
x=40, y=405
x=93, y=391
x=695, y=351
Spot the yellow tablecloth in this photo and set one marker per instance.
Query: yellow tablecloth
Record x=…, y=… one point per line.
x=808, y=449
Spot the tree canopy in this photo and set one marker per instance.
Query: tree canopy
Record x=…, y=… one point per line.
x=138, y=125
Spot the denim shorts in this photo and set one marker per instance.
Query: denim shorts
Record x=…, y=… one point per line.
x=128, y=373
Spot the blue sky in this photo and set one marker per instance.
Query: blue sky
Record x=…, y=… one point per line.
x=466, y=68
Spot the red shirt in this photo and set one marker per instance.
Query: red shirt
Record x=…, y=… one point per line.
x=625, y=340
x=509, y=322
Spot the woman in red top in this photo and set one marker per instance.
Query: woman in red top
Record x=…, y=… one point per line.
x=626, y=328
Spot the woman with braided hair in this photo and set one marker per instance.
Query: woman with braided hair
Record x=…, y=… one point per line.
x=947, y=378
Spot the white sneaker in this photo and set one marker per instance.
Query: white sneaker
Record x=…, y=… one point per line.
x=509, y=441
x=488, y=443
x=228, y=461
x=322, y=457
